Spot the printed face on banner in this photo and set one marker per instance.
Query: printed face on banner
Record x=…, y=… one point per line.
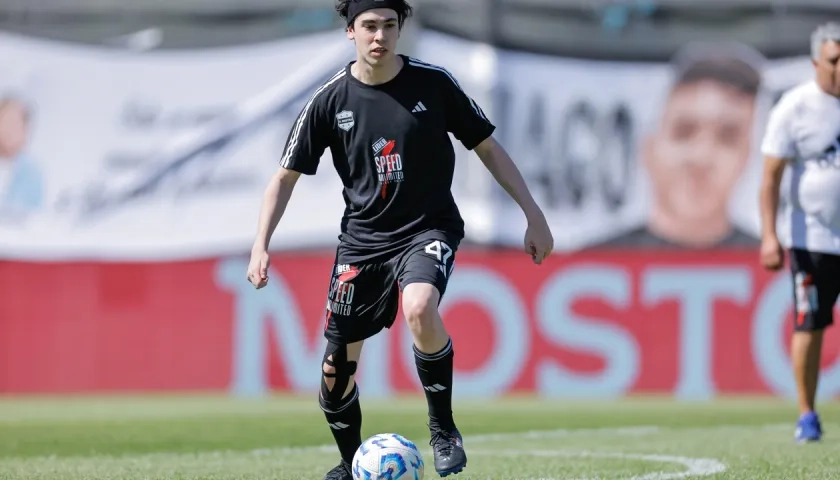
x=695, y=158
x=696, y=153
x=21, y=178
x=633, y=155
x=14, y=127
x=701, y=147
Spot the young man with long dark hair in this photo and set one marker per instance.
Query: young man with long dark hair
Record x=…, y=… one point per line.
x=386, y=119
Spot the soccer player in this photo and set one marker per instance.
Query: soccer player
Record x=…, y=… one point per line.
x=803, y=134
x=386, y=119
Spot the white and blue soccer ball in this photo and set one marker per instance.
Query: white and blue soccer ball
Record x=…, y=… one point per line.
x=388, y=456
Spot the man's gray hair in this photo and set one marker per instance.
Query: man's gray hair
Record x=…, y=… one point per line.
x=827, y=32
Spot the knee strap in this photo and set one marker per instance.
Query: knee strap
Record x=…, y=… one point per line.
x=331, y=399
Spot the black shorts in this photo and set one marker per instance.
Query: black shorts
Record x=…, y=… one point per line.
x=363, y=298
x=816, y=286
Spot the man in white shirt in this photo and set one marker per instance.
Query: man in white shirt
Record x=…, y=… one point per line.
x=803, y=134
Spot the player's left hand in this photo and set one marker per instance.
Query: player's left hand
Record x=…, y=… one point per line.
x=538, y=239
x=258, y=269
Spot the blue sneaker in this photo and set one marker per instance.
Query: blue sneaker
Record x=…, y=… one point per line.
x=808, y=428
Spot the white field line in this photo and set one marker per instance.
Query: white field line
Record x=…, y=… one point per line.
x=544, y=434
x=694, y=467
x=484, y=438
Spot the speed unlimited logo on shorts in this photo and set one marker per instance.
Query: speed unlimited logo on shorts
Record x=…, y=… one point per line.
x=340, y=300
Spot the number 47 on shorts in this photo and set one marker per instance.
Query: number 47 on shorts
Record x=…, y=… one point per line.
x=443, y=253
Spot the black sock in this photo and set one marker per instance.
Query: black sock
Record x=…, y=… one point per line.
x=345, y=421
x=435, y=371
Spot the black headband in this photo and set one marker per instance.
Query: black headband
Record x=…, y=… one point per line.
x=358, y=6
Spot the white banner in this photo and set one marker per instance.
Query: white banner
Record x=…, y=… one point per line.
x=109, y=154
x=113, y=154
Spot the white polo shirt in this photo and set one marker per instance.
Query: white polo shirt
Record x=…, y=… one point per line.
x=804, y=128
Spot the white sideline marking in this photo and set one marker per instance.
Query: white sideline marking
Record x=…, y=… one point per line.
x=482, y=438
x=545, y=434
x=695, y=467
x=564, y=432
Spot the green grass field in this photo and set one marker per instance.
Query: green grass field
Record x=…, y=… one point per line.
x=200, y=437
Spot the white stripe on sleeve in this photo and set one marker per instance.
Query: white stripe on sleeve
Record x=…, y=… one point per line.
x=293, y=141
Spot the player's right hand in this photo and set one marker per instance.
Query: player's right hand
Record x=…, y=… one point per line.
x=258, y=269
x=772, y=254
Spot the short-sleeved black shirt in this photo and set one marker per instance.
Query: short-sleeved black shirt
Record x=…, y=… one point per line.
x=391, y=148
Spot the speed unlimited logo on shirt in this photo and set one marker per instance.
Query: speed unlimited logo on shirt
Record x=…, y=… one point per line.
x=389, y=167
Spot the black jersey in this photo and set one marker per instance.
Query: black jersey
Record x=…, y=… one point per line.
x=390, y=145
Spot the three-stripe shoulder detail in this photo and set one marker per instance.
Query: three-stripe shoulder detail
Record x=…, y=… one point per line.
x=302, y=118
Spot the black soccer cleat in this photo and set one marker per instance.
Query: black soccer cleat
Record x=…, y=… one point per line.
x=341, y=472
x=448, y=448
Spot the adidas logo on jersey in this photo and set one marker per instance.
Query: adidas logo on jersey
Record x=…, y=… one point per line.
x=419, y=108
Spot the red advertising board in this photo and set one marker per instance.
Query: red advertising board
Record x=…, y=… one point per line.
x=588, y=325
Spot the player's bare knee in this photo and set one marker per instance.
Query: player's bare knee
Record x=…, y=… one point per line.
x=421, y=314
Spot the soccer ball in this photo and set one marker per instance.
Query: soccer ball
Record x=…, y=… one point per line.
x=387, y=456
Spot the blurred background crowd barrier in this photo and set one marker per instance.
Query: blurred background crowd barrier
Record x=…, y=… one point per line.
x=136, y=138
